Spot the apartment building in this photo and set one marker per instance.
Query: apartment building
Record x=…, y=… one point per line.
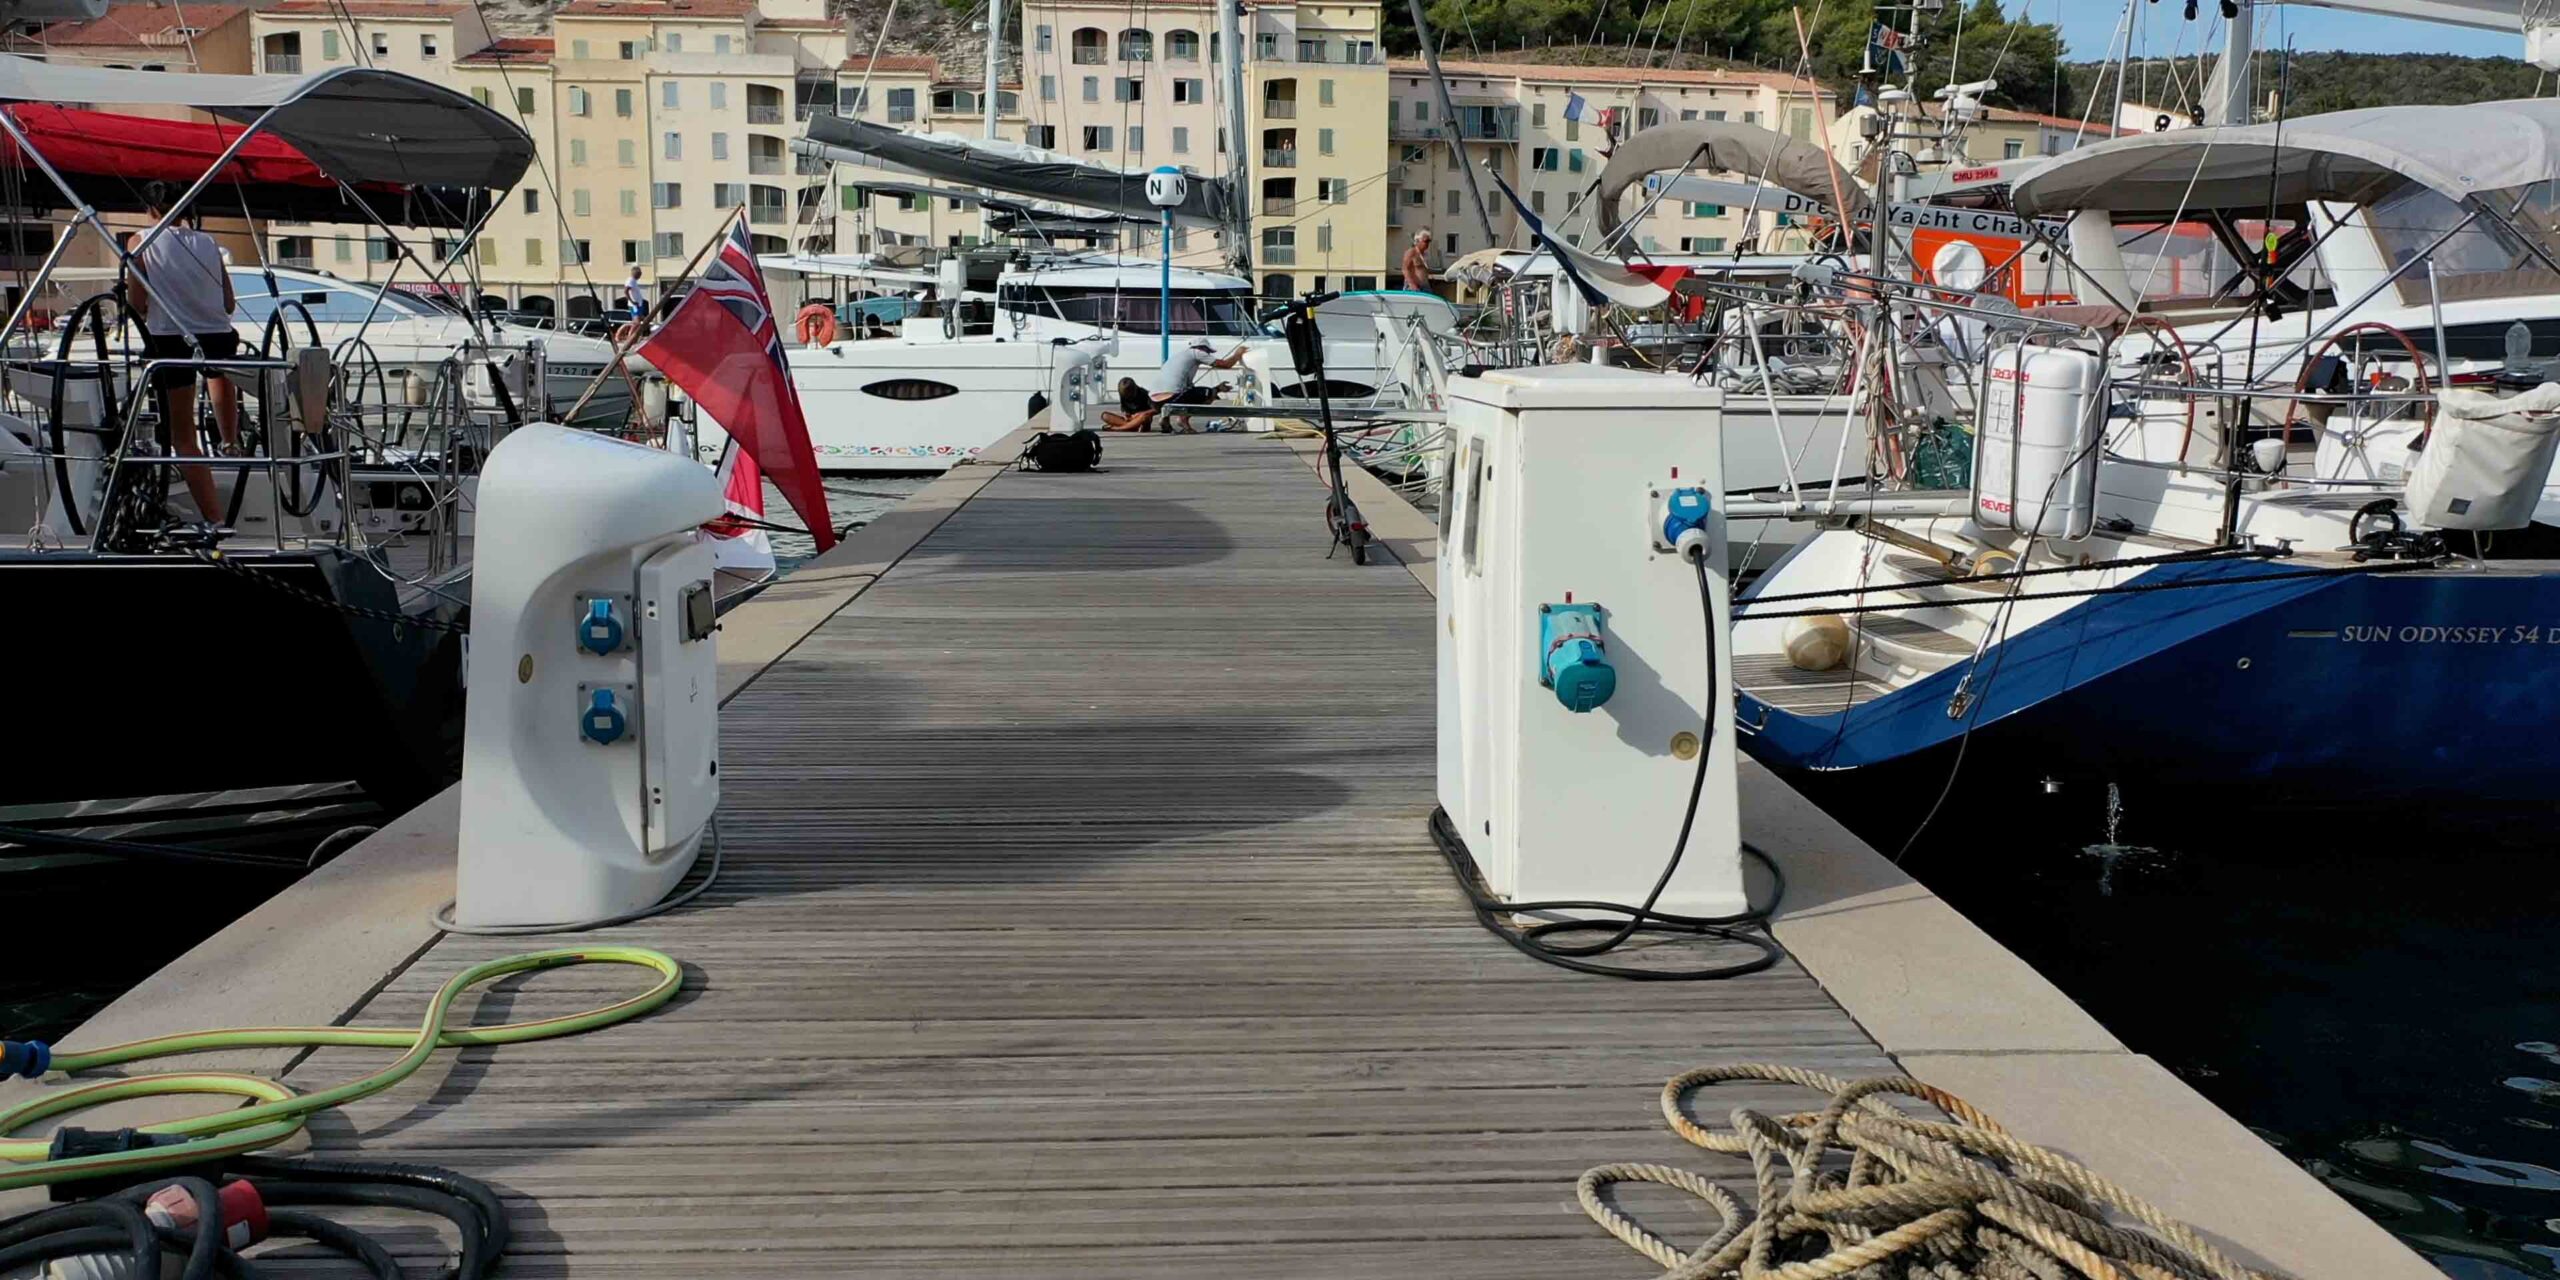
x=1137, y=88
x=2000, y=134
x=1513, y=118
x=908, y=91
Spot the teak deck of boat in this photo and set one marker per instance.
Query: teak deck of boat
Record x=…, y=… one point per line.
x=1080, y=920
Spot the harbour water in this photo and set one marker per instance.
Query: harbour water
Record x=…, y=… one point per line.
x=2382, y=1002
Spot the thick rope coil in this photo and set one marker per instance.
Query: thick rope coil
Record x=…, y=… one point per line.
x=1859, y=1189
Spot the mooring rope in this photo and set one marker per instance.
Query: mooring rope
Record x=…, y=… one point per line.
x=1914, y=1199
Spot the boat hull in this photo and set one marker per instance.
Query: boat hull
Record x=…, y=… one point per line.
x=2346, y=694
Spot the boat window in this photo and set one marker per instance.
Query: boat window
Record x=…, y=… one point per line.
x=2173, y=263
x=1202, y=311
x=328, y=303
x=2483, y=260
x=910, y=389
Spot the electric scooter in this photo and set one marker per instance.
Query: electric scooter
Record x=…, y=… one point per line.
x=1342, y=516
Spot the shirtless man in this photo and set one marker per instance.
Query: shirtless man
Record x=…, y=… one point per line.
x=1417, y=263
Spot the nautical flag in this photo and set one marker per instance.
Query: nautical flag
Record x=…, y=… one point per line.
x=1574, y=107
x=1599, y=280
x=741, y=544
x=721, y=345
x=1884, y=46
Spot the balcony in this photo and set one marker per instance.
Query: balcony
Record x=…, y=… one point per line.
x=1280, y=108
x=764, y=114
x=1278, y=206
x=1086, y=57
x=1275, y=158
x=764, y=164
x=1279, y=255
x=802, y=111
x=303, y=261
x=810, y=166
x=769, y=211
x=284, y=64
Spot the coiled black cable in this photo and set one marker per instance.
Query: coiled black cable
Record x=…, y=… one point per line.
x=1747, y=928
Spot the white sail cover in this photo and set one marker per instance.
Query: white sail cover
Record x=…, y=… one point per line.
x=2350, y=156
x=1018, y=168
x=358, y=124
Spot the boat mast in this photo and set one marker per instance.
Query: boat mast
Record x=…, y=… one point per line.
x=1449, y=122
x=1240, y=205
x=2239, y=37
x=987, y=95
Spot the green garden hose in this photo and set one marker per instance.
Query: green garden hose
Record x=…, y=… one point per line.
x=276, y=1112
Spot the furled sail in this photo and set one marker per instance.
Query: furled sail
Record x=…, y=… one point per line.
x=1011, y=167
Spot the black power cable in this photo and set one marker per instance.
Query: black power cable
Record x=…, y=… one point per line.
x=1538, y=941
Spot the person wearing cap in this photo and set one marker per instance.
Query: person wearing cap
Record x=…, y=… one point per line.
x=182, y=290
x=1171, y=384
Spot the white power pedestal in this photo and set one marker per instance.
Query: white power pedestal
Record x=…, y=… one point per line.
x=591, y=740
x=1554, y=557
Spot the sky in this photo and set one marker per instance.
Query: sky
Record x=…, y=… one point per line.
x=2160, y=27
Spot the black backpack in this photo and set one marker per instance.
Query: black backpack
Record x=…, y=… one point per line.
x=1077, y=450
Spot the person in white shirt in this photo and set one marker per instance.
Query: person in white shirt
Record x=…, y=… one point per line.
x=1171, y=384
x=637, y=294
x=182, y=290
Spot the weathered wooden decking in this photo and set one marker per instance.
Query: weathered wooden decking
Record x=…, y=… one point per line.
x=1080, y=920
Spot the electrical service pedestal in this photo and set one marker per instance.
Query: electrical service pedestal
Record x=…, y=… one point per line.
x=1572, y=489
x=591, y=740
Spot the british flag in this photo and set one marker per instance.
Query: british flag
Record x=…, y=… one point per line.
x=721, y=346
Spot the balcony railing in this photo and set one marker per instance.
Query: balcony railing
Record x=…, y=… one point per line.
x=1278, y=158
x=303, y=261
x=769, y=211
x=764, y=114
x=1473, y=131
x=284, y=64
x=764, y=164
x=810, y=166
x=1278, y=206
x=804, y=110
x=1092, y=57
x=1280, y=108
x=1279, y=255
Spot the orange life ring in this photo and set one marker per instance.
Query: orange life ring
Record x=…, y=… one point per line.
x=626, y=334
x=817, y=325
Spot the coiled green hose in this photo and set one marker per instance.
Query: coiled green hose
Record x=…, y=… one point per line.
x=276, y=1112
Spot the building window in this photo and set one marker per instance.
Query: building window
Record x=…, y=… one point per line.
x=1573, y=160
x=851, y=100
x=1310, y=49
x=532, y=253
x=629, y=200
x=578, y=252
x=1648, y=117
x=1324, y=142
x=1089, y=46
x=1092, y=89
x=2012, y=148
x=1128, y=89
x=1702, y=244
x=380, y=249
x=1137, y=45
x=728, y=195
x=1413, y=155
x=720, y=95
x=635, y=252
x=329, y=46
x=630, y=53
x=675, y=146
x=1452, y=155
x=524, y=100
x=294, y=249
x=1453, y=200
x=1324, y=93
x=1538, y=203
x=1572, y=129
x=1048, y=88
x=1706, y=210
x=1097, y=137
x=622, y=103
x=382, y=44
x=481, y=96
x=1181, y=140
x=1449, y=244
x=338, y=248
x=1537, y=115
x=1688, y=113
x=902, y=105
x=675, y=42
x=1751, y=117
x=1189, y=91
x=426, y=46
x=666, y=195
x=579, y=102
x=719, y=146
x=667, y=95
x=1182, y=46
x=1043, y=136
x=1422, y=113
x=719, y=44
x=532, y=200
x=1324, y=240
x=578, y=152
x=1542, y=159
x=626, y=153
x=579, y=204
x=1047, y=39
x=1138, y=138
x=578, y=50
x=1333, y=190
x=1266, y=46
x=954, y=102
